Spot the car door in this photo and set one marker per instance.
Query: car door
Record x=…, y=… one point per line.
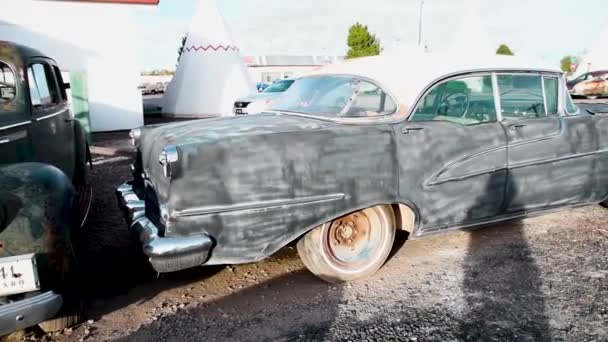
x=52, y=127
x=15, y=121
x=550, y=158
x=452, y=154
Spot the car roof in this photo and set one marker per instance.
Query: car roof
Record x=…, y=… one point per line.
x=406, y=75
x=25, y=52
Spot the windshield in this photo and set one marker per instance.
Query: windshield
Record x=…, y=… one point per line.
x=336, y=96
x=278, y=86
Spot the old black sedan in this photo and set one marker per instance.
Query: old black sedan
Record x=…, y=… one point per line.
x=358, y=150
x=44, y=194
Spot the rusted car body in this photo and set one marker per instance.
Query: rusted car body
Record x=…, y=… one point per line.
x=592, y=88
x=44, y=197
x=358, y=150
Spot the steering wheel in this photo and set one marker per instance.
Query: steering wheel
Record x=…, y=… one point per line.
x=457, y=104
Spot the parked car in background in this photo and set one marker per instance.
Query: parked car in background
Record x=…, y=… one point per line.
x=153, y=88
x=355, y=152
x=592, y=88
x=256, y=103
x=159, y=87
x=584, y=77
x=44, y=195
x=261, y=86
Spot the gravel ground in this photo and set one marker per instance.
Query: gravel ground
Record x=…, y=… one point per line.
x=543, y=278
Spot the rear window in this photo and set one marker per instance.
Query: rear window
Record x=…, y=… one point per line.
x=336, y=96
x=8, y=86
x=8, y=90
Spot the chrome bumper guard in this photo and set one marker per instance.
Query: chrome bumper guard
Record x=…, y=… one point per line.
x=166, y=254
x=29, y=312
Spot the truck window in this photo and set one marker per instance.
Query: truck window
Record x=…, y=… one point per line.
x=42, y=85
x=59, y=79
x=8, y=88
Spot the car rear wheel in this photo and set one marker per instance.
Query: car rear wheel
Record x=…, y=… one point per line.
x=351, y=247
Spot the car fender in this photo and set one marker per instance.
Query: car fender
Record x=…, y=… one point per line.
x=36, y=202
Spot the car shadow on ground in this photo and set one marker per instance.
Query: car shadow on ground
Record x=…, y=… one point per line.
x=502, y=282
x=293, y=306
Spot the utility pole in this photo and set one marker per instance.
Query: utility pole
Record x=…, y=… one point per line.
x=420, y=23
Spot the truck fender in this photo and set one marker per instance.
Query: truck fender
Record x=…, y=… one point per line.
x=37, y=205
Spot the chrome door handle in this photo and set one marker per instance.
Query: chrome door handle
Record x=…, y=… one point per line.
x=514, y=127
x=4, y=141
x=407, y=130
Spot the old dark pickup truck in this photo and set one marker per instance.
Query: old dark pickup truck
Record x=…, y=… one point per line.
x=358, y=150
x=44, y=195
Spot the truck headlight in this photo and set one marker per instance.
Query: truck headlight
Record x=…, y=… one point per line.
x=135, y=134
x=168, y=159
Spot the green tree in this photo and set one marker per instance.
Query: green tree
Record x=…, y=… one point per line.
x=504, y=49
x=180, y=50
x=361, y=42
x=566, y=64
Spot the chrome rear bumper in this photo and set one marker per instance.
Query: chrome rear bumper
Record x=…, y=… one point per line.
x=166, y=254
x=29, y=312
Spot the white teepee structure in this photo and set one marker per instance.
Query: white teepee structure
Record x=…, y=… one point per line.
x=211, y=73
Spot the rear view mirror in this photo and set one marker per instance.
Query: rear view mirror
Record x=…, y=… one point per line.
x=66, y=86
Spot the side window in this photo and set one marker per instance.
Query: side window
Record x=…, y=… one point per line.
x=8, y=87
x=551, y=94
x=521, y=96
x=467, y=101
x=369, y=100
x=42, y=85
x=59, y=79
x=571, y=107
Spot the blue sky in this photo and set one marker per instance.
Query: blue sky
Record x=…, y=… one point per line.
x=541, y=28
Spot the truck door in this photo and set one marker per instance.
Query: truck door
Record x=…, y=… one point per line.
x=15, y=121
x=52, y=126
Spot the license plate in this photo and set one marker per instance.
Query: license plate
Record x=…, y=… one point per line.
x=18, y=274
x=238, y=111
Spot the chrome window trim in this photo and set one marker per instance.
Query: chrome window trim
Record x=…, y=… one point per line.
x=23, y=123
x=497, y=105
x=542, y=86
x=49, y=115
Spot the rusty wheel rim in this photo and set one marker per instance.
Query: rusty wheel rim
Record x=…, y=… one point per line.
x=354, y=241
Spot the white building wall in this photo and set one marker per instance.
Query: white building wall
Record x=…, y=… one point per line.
x=100, y=39
x=259, y=73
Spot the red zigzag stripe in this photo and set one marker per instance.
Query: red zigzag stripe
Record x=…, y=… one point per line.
x=211, y=47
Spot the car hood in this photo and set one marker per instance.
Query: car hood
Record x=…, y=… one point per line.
x=209, y=130
x=259, y=96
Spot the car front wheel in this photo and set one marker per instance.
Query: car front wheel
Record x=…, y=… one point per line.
x=351, y=247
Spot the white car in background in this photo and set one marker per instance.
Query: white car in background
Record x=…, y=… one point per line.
x=257, y=103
